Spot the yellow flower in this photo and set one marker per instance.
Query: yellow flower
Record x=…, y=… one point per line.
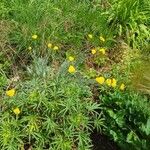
x=29, y=48
x=93, y=51
x=34, y=36
x=49, y=45
x=71, y=69
x=16, y=111
x=122, y=87
x=10, y=93
x=102, y=39
x=102, y=50
x=55, y=48
x=108, y=82
x=71, y=58
x=113, y=83
x=90, y=36
x=100, y=80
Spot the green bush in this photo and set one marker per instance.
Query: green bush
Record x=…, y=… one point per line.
x=56, y=111
x=127, y=118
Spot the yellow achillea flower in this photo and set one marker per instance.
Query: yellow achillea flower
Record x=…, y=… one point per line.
x=16, y=111
x=34, y=36
x=71, y=69
x=93, y=51
x=90, y=36
x=102, y=50
x=113, y=83
x=108, y=82
x=49, y=45
x=29, y=48
x=100, y=80
x=122, y=86
x=10, y=93
x=71, y=58
x=102, y=39
x=55, y=48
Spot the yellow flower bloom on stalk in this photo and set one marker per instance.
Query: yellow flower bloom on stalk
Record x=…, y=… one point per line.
x=34, y=36
x=49, y=45
x=16, y=111
x=71, y=69
x=122, y=87
x=100, y=80
x=90, y=36
x=108, y=82
x=113, y=83
x=10, y=93
x=102, y=39
x=93, y=51
x=102, y=50
x=55, y=48
x=71, y=58
x=30, y=48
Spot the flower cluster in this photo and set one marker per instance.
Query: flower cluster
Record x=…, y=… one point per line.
x=71, y=68
x=51, y=46
x=109, y=82
x=90, y=36
x=100, y=50
x=11, y=93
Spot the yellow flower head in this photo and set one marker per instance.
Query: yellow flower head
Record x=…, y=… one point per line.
x=49, y=45
x=71, y=69
x=71, y=58
x=90, y=36
x=55, y=48
x=34, y=36
x=102, y=50
x=102, y=39
x=122, y=87
x=29, y=48
x=108, y=82
x=10, y=93
x=100, y=80
x=93, y=51
x=16, y=111
x=113, y=83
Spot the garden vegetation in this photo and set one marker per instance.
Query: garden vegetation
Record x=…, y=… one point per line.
x=69, y=68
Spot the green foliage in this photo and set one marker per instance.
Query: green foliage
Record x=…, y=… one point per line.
x=3, y=82
x=62, y=21
x=57, y=109
x=127, y=118
x=146, y=127
x=56, y=112
x=3, y=9
x=131, y=18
